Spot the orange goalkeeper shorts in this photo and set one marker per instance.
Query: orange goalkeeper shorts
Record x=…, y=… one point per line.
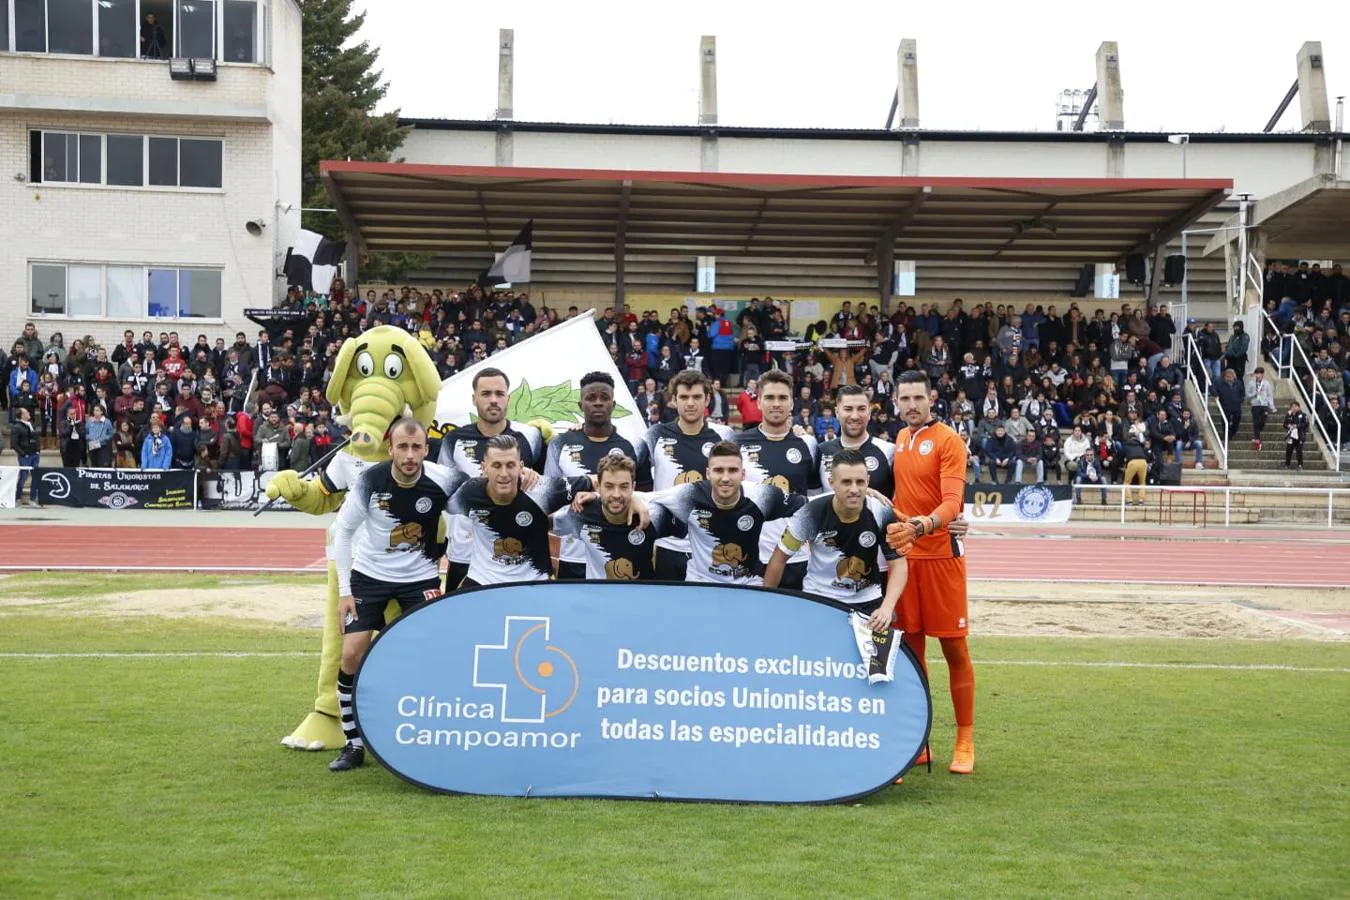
x=934, y=601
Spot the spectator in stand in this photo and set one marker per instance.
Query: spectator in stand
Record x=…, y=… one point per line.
x=98, y=434
x=183, y=440
x=302, y=448
x=1051, y=456
x=1000, y=452
x=1135, y=456
x=1162, y=435
x=1231, y=394
x=717, y=403
x=126, y=447
x=748, y=405
x=25, y=440
x=722, y=345
x=1235, y=354
x=244, y=423
x=72, y=438
x=1211, y=352
x=273, y=442
x=156, y=449
x=1262, y=398
x=752, y=354
x=827, y=423
x=1188, y=436
x=1295, y=433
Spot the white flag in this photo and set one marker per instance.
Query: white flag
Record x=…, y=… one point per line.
x=545, y=373
x=513, y=263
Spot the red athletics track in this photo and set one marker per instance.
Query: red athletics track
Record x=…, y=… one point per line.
x=1302, y=559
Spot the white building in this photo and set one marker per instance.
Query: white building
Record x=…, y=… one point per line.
x=143, y=186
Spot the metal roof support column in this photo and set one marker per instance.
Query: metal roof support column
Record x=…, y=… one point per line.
x=1155, y=275
x=620, y=245
x=506, y=40
x=885, y=274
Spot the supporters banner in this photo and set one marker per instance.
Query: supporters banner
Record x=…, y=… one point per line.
x=239, y=490
x=117, y=488
x=610, y=689
x=1019, y=504
x=9, y=484
x=545, y=373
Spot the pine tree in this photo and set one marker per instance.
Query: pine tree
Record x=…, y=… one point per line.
x=341, y=90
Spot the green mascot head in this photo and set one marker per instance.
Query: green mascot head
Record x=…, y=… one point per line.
x=377, y=374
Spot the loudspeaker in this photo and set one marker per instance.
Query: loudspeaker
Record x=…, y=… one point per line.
x=1084, y=282
x=1174, y=269
x=1134, y=268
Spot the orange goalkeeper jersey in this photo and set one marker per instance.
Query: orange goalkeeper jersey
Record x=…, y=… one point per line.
x=930, y=477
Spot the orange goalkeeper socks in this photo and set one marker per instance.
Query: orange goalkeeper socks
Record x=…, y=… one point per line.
x=962, y=674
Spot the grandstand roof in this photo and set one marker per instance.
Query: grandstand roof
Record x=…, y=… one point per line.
x=1308, y=220
x=479, y=209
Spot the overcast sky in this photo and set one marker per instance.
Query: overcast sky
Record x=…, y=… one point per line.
x=1185, y=65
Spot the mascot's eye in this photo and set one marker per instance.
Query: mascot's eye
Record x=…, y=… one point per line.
x=365, y=364
x=393, y=365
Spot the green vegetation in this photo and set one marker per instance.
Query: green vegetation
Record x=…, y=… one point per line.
x=162, y=776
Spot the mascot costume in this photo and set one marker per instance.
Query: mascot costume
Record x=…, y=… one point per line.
x=379, y=376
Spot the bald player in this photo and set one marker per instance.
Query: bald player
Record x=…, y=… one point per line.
x=930, y=483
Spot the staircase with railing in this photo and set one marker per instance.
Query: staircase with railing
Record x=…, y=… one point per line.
x=1294, y=368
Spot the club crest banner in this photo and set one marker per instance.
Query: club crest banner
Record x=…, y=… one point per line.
x=1019, y=504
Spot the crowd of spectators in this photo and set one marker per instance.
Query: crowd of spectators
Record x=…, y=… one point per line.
x=1008, y=380
x=1310, y=307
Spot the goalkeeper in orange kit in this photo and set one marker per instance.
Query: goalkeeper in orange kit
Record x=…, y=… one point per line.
x=930, y=483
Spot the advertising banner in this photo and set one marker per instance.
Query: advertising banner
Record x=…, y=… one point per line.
x=1019, y=504
x=239, y=490
x=116, y=488
x=9, y=484
x=655, y=691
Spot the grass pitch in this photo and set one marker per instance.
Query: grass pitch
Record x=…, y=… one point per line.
x=162, y=776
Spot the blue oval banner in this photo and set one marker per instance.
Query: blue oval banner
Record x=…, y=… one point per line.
x=609, y=689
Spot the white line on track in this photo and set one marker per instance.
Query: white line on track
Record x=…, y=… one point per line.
x=1045, y=663
x=168, y=654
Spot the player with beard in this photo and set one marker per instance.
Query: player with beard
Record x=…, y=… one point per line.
x=855, y=414
x=580, y=451
x=776, y=454
x=387, y=547
x=464, y=449
x=930, y=481
x=617, y=547
x=508, y=524
x=846, y=533
x=723, y=518
x=679, y=455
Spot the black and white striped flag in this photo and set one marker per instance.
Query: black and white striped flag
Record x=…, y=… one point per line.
x=313, y=262
x=513, y=263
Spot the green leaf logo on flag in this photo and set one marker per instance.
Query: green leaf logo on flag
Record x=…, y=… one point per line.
x=556, y=403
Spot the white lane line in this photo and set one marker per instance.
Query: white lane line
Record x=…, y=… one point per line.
x=1045, y=663
x=1120, y=664
x=168, y=654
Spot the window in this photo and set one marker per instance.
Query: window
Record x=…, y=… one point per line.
x=226, y=30
x=117, y=28
x=239, y=35
x=70, y=27
x=125, y=160
x=49, y=289
x=30, y=26
x=125, y=292
x=133, y=160
x=200, y=163
x=164, y=162
x=196, y=28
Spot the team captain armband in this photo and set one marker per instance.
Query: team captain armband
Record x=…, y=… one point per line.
x=788, y=543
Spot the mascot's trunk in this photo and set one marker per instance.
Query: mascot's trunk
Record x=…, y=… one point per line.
x=375, y=405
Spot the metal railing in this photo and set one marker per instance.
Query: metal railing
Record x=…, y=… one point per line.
x=1292, y=351
x=1194, y=360
x=1159, y=492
